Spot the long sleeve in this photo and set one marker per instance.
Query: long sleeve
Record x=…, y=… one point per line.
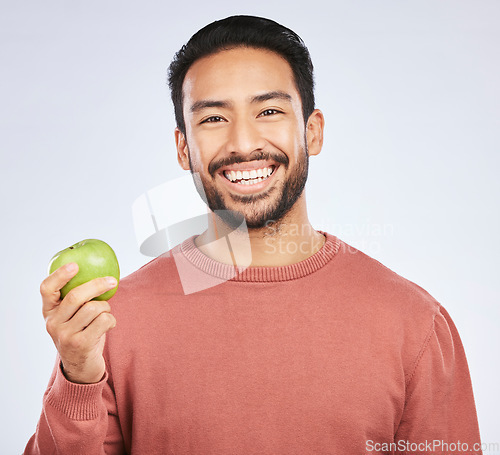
x=439, y=411
x=76, y=419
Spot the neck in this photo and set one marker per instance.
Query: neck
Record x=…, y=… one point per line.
x=282, y=242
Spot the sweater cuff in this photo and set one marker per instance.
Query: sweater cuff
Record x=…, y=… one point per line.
x=76, y=401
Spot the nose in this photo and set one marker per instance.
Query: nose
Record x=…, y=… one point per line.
x=244, y=137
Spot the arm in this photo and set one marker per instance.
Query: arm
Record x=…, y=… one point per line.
x=439, y=406
x=77, y=419
x=79, y=413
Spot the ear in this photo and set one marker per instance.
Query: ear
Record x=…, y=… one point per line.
x=314, y=132
x=182, y=150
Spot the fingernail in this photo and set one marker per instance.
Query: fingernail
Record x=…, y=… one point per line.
x=111, y=281
x=71, y=267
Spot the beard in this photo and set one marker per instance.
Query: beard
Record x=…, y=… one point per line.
x=258, y=210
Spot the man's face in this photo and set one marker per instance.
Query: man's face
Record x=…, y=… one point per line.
x=243, y=112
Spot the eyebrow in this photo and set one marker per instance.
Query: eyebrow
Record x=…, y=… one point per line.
x=276, y=94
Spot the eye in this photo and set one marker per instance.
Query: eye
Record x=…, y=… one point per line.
x=268, y=112
x=213, y=119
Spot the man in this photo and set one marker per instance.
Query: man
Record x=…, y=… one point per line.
x=305, y=346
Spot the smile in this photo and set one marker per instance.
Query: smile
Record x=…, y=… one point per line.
x=249, y=177
x=249, y=181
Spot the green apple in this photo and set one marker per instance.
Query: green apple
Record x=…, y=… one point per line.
x=95, y=259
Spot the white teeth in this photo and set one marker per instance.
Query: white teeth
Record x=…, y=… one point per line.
x=251, y=182
x=255, y=173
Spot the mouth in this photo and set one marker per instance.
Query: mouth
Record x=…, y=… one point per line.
x=249, y=181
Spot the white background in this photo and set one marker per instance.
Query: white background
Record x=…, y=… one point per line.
x=408, y=172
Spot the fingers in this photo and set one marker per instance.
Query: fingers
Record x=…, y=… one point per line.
x=78, y=297
x=51, y=286
x=87, y=313
x=80, y=336
x=99, y=326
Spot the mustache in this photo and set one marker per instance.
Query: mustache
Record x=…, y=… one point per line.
x=254, y=156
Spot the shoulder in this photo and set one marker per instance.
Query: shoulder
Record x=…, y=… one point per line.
x=391, y=307
x=384, y=289
x=149, y=272
x=157, y=277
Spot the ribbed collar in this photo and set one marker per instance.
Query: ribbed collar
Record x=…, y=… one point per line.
x=261, y=274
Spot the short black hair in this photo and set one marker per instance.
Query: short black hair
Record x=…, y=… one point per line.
x=243, y=31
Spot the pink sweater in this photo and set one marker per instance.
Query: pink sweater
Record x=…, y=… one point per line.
x=336, y=354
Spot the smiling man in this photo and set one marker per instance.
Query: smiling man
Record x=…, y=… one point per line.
x=305, y=346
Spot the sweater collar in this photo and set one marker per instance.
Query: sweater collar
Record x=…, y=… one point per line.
x=261, y=274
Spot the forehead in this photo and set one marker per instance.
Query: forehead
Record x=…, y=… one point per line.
x=238, y=74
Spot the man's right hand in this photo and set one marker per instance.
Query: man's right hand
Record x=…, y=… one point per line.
x=77, y=324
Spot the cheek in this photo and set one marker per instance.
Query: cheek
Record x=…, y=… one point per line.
x=206, y=139
x=202, y=150
x=287, y=138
